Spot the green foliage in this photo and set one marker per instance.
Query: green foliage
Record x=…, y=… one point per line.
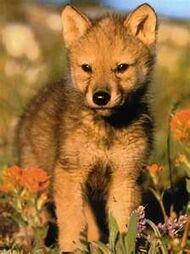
x=126, y=243
x=118, y=243
x=130, y=239
x=114, y=232
x=157, y=244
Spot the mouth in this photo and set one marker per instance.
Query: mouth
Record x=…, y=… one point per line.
x=102, y=108
x=105, y=111
x=111, y=108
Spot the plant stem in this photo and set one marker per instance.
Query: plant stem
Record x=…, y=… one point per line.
x=40, y=223
x=28, y=240
x=158, y=196
x=185, y=236
x=160, y=201
x=163, y=210
x=169, y=151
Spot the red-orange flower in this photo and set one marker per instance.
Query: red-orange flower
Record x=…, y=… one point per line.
x=13, y=175
x=5, y=187
x=35, y=179
x=180, y=124
x=154, y=168
x=32, y=179
x=11, y=178
x=181, y=159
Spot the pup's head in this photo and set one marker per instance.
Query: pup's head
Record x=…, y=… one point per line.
x=110, y=58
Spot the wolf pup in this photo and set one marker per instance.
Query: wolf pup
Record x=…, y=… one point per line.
x=92, y=131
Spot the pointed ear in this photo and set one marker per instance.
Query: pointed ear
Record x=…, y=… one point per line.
x=75, y=24
x=142, y=23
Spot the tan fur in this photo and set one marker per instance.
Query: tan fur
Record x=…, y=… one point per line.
x=94, y=151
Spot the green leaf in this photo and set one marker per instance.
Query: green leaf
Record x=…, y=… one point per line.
x=114, y=232
x=153, y=247
x=157, y=196
x=130, y=240
x=154, y=227
x=18, y=218
x=158, y=236
x=163, y=247
x=188, y=184
x=37, y=251
x=82, y=248
x=99, y=247
x=120, y=244
x=40, y=232
x=53, y=250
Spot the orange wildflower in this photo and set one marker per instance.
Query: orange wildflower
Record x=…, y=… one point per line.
x=11, y=178
x=35, y=179
x=13, y=175
x=5, y=187
x=180, y=124
x=154, y=168
x=32, y=179
x=180, y=160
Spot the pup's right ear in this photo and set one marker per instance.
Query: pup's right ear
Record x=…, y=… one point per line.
x=75, y=25
x=142, y=23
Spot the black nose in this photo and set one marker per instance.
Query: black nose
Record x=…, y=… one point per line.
x=101, y=98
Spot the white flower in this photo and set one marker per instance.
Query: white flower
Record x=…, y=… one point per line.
x=19, y=41
x=34, y=73
x=54, y=22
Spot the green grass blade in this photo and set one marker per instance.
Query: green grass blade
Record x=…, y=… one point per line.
x=130, y=240
x=101, y=246
x=120, y=245
x=113, y=233
x=158, y=235
x=153, y=247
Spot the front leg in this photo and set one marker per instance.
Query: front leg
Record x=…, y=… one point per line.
x=127, y=163
x=124, y=196
x=68, y=196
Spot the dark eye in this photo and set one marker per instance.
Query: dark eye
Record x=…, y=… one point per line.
x=87, y=68
x=122, y=67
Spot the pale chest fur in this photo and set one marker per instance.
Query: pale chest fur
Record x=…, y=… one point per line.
x=94, y=141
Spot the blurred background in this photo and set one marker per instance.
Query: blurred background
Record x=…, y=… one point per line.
x=32, y=53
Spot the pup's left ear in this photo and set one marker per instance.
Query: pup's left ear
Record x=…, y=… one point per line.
x=142, y=23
